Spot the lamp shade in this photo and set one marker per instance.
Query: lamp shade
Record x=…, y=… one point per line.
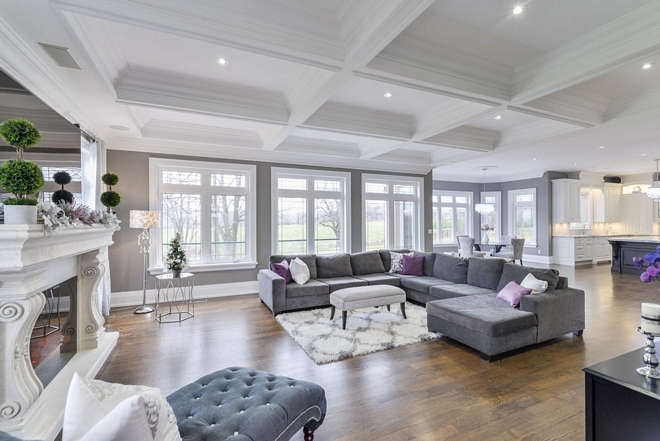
x=144, y=219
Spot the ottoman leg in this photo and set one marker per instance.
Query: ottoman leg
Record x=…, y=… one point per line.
x=309, y=434
x=332, y=312
x=343, y=319
x=403, y=309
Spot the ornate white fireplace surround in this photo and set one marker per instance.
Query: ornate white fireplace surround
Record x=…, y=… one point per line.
x=30, y=262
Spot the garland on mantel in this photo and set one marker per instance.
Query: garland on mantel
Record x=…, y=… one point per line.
x=66, y=215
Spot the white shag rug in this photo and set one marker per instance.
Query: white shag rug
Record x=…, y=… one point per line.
x=367, y=330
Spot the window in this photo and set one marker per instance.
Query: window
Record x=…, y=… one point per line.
x=452, y=216
x=310, y=211
x=494, y=219
x=393, y=212
x=212, y=206
x=522, y=215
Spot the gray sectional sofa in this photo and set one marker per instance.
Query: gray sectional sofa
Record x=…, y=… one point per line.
x=460, y=296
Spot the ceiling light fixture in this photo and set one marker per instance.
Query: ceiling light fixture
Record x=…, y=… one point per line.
x=120, y=128
x=388, y=95
x=498, y=117
x=647, y=66
x=519, y=9
x=654, y=190
x=484, y=208
x=643, y=154
x=222, y=61
x=534, y=159
x=601, y=147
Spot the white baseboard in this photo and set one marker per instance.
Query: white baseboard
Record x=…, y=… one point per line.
x=537, y=259
x=134, y=298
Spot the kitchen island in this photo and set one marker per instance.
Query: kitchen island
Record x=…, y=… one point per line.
x=624, y=248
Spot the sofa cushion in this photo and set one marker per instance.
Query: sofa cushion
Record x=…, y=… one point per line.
x=387, y=258
x=334, y=265
x=484, y=273
x=380, y=279
x=450, y=268
x=516, y=273
x=429, y=260
x=455, y=290
x=422, y=284
x=309, y=259
x=367, y=263
x=336, y=283
x=483, y=313
x=311, y=288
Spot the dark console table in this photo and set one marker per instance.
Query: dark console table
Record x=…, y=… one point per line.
x=620, y=403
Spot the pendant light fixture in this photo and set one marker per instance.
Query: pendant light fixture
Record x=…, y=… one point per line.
x=654, y=190
x=483, y=208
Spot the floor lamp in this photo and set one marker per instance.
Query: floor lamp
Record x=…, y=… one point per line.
x=144, y=220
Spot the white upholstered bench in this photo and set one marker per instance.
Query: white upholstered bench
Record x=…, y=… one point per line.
x=365, y=296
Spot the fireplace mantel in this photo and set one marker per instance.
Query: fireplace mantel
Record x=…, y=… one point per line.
x=32, y=260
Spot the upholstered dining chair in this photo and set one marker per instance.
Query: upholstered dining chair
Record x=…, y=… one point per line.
x=518, y=246
x=458, y=241
x=466, y=248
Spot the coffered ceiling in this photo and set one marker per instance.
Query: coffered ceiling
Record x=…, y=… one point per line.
x=393, y=85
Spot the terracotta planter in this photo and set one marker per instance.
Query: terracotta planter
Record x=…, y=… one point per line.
x=20, y=214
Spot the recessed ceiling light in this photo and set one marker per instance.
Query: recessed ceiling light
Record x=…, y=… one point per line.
x=575, y=163
x=120, y=128
x=534, y=159
x=222, y=61
x=601, y=147
x=498, y=117
x=519, y=9
x=388, y=95
x=643, y=154
x=648, y=65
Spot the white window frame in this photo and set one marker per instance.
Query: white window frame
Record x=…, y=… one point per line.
x=512, y=204
x=310, y=194
x=454, y=205
x=390, y=197
x=157, y=188
x=498, y=211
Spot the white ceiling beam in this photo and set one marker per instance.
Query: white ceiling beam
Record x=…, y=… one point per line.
x=198, y=134
x=622, y=41
x=573, y=106
x=446, y=117
x=634, y=104
x=372, y=152
x=466, y=138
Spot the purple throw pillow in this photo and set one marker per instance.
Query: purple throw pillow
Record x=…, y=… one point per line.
x=282, y=270
x=413, y=265
x=512, y=293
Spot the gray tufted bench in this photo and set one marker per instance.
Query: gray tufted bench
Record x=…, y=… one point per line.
x=241, y=404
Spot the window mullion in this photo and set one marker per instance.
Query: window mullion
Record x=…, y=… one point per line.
x=311, y=218
x=205, y=197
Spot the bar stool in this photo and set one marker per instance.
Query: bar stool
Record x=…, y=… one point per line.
x=52, y=306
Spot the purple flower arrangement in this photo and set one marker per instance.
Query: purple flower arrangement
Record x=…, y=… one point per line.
x=653, y=270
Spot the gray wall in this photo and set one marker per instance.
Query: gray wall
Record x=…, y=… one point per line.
x=133, y=171
x=543, y=187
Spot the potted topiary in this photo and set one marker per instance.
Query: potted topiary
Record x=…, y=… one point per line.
x=19, y=177
x=110, y=199
x=62, y=178
x=176, y=257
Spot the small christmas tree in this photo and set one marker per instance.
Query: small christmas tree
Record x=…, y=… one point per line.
x=176, y=257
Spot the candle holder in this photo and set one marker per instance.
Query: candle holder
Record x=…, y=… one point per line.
x=650, y=360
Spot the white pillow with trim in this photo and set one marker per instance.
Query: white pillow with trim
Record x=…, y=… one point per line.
x=299, y=271
x=537, y=286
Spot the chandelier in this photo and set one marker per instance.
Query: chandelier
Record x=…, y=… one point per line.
x=483, y=208
x=654, y=190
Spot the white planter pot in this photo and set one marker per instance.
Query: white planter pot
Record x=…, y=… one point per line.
x=20, y=214
x=485, y=239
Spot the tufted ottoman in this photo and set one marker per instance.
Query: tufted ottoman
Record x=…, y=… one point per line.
x=241, y=404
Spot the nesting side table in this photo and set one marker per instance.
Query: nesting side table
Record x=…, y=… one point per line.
x=174, y=298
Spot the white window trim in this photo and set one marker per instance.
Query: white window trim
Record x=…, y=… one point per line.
x=512, y=227
x=155, y=167
x=498, y=210
x=310, y=174
x=470, y=210
x=390, y=197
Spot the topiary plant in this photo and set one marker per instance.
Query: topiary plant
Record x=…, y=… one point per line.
x=21, y=178
x=110, y=198
x=20, y=134
x=62, y=178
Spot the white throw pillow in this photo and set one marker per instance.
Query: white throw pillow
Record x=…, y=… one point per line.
x=126, y=422
x=397, y=261
x=90, y=401
x=299, y=271
x=537, y=286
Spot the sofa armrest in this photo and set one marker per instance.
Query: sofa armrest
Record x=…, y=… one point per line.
x=272, y=291
x=557, y=312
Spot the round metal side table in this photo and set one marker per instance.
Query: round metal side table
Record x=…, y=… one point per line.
x=174, y=298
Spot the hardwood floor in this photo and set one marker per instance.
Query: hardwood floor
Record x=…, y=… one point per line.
x=433, y=390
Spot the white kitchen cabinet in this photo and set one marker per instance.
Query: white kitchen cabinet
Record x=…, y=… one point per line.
x=637, y=211
x=602, y=250
x=573, y=251
x=565, y=200
x=598, y=203
x=612, y=202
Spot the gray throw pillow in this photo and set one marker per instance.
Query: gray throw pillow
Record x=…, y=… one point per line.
x=516, y=273
x=450, y=268
x=484, y=273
